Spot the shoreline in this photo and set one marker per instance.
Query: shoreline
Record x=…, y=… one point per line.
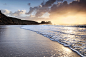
x=29, y=43
x=57, y=42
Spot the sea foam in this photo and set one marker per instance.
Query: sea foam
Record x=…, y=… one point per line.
x=72, y=37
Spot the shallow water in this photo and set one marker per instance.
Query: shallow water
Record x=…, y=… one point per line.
x=73, y=37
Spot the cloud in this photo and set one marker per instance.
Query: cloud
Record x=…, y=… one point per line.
x=18, y=13
x=49, y=3
x=32, y=9
x=73, y=13
x=72, y=8
x=45, y=8
x=41, y=9
x=5, y=11
x=59, y=13
x=62, y=13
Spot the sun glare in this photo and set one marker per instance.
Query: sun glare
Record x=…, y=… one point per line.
x=78, y=19
x=69, y=20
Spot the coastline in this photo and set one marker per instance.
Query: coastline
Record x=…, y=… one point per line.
x=22, y=43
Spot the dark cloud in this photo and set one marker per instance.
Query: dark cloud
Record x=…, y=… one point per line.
x=73, y=7
x=39, y=10
x=73, y=10
x=49, y=3
x=32, y=9
x=42, y=9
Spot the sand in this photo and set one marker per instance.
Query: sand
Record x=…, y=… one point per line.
x=17, y=42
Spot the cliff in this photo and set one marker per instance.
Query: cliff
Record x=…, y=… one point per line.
x=5, y=20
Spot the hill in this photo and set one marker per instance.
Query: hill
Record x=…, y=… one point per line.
x=5, y=20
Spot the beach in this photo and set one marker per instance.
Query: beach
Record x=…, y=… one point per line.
x=17, y=42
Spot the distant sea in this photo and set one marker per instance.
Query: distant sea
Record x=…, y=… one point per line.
x=69, y=36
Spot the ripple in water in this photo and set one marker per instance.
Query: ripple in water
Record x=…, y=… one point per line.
x=73, y=37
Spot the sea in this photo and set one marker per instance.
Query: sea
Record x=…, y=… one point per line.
x=69, y=36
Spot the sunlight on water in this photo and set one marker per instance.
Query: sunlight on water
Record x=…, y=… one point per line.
x=73, y=37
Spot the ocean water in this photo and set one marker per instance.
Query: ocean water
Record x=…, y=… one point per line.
x=72, y=37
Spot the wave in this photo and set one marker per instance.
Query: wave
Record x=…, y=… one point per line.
x=72, y=37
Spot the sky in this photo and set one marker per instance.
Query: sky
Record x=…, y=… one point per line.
x=32, y=10
x=14, y=5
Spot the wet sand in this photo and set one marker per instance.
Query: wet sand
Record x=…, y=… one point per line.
x=17, y=42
